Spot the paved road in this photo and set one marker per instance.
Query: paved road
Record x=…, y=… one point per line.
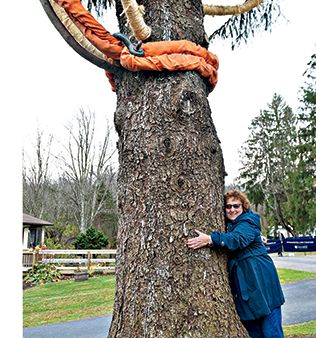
x=304, y=263
x=300, y=306
x=300, y=302
x=97, y=327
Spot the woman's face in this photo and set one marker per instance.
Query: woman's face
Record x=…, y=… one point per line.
x=233, y=208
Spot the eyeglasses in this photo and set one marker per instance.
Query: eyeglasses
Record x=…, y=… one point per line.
x=235, y=206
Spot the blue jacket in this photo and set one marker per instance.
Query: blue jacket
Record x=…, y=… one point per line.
x=254, y=281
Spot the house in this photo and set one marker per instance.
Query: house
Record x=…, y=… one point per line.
x=33, y=231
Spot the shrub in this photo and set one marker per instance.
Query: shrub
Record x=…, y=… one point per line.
x=42, y=273
x=91, y=239
x=52, y=245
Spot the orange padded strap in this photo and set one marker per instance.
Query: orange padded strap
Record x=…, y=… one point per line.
x=170, y=62
x=159, y=56
x=179, y=47
x=92, y=29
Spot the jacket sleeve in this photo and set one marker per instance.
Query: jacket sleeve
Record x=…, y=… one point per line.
x=239, y=238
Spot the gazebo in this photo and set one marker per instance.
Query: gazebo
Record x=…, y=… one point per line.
x=33, y=231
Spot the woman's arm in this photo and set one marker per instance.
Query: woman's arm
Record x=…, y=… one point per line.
x=200, y=241
x=244, y=234
x=239, y=238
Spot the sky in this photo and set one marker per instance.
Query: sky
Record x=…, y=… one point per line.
x=45, y=83
x=58, y=81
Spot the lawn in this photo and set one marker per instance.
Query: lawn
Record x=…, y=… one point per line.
x=307, y=329
x=68, y=300
x=288, y=275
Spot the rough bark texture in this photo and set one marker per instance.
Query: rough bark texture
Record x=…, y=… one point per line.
x=170, y=182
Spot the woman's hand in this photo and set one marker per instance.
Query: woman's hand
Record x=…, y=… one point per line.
x=200, y=241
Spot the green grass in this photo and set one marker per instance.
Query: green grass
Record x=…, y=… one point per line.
x=68, y=300
x=288, y=275
x=301, y=330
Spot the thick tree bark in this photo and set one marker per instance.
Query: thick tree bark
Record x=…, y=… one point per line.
x=170, y=182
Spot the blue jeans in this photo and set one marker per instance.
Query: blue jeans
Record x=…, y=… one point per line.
x=269, y=326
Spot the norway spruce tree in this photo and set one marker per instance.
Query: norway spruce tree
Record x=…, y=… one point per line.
x=170, y=182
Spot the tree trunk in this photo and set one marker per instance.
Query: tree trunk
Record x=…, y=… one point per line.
x=170, y=182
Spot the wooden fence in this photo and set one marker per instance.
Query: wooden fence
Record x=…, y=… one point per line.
x=28, y=260
x=69, y=261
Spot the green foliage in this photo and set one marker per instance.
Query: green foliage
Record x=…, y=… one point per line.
x=91, y=239
x=52, y=245
x=279, y=160
x=300, y=204
x=61, y=235
x=307, y=118
x=42, y=273
x=303, y=177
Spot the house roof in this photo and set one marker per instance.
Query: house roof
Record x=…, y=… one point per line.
x=30, y=220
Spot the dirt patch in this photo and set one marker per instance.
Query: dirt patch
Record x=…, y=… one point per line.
x=28, y=285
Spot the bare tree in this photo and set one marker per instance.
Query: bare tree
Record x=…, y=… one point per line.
x=36, y=176
x=87, y=170
x=44, y=195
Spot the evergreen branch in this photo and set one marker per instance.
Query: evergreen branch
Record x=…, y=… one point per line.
x=241, y=27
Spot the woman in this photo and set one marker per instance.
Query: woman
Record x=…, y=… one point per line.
x=254, y=281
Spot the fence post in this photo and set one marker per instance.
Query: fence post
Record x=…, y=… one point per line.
x=89, y=260
x=34, y=259
x=282, y=247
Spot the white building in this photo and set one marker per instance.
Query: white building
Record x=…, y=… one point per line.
x=33, y=231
